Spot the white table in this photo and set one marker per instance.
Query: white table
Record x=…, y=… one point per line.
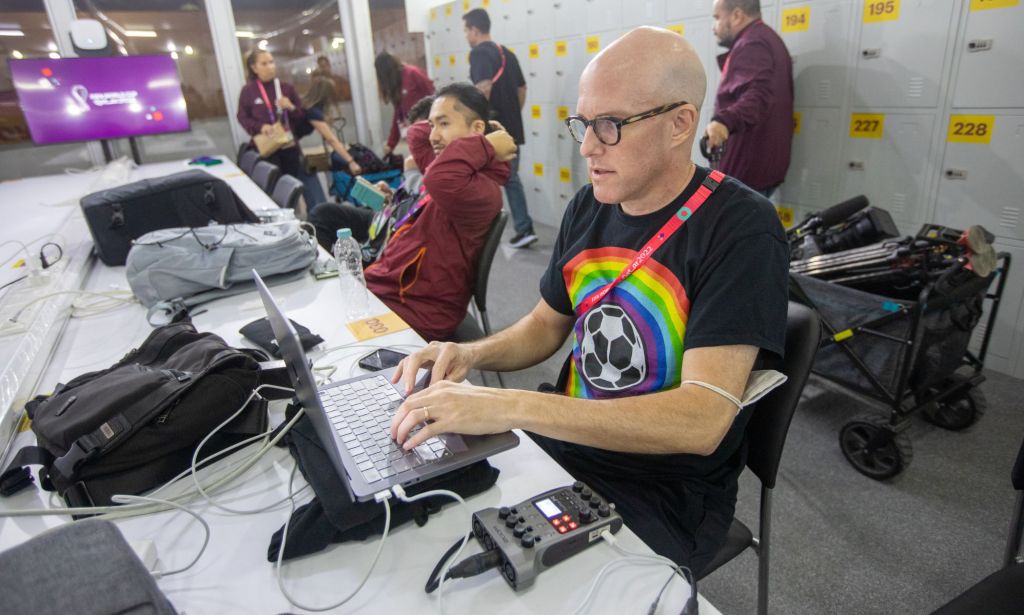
x=233, y=576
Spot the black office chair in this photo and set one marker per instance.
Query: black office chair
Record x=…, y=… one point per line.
x=247, y=161
x=265, y=175
x=470, y=328
x=287, y=191
x=1002, y=591
x=766, y=436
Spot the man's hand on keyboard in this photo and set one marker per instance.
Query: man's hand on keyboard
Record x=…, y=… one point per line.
x=450, y=407
x=447, y=361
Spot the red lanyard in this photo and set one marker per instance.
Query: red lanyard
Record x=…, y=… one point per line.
x=501, y=70
x=710, y=183
x=270, y=107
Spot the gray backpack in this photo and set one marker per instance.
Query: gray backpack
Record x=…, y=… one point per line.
x=172, y=270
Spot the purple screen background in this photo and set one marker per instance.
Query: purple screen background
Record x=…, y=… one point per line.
x=84, y=99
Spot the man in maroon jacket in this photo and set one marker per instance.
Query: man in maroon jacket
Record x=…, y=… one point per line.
x=754, y=107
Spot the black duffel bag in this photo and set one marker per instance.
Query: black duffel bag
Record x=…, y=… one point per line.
x=191, y=198
x=135, y=425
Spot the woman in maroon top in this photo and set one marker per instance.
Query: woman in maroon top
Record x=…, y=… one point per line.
x=401, y=85
x=259, y=108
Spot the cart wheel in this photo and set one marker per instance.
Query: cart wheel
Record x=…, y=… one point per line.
x=873, y=448
x=957, y=412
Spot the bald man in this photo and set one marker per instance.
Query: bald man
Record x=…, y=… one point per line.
x=646, y=417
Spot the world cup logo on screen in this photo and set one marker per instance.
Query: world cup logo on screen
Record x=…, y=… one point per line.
x=80, y=96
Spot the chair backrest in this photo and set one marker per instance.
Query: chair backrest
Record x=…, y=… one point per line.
x=265, y=175
x=247, y=161
x=766, y=432
x=287, y=192
x=483, y=267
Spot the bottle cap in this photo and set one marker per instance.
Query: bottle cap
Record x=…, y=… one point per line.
x=344, y=233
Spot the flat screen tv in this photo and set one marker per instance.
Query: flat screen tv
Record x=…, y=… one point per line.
x=85, y=99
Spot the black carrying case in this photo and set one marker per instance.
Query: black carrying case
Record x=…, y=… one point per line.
x=191, y=198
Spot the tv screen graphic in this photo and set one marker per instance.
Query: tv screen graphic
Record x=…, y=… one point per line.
x=85, y=99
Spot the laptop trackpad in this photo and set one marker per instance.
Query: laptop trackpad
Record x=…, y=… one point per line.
x=454, y=442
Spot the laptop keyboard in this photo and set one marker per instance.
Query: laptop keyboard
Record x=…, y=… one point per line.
x=361, y=414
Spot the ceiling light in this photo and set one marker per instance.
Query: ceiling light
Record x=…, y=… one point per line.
x=17, y=55
x=11, y=33
x=54, y=55
x=174, y=54
x=189, y=50
x=337, y=42
x=171, y=46
x=309, y=70
x=140, y=33
x=306, y=31
x=51, y=46
x=262, y=44
x=244, y=34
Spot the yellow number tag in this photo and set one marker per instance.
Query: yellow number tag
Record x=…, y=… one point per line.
x=867, y=125
x=535, y=112
x=981, y=5
x=451, y=60
x=433, y=14
x=785, y=215
x=538, y=169
x=565, y=174
x=486, y=4
x=593, y=44
x=971, y=128
x=796, y=20
x=796, y=122
x=678, y=28
x=448, y=10
x=881, y=10
x=561, y=49
x=376, y=326
x=563, y=113
x=437, y=61
x=465, y=6
x=534, y=51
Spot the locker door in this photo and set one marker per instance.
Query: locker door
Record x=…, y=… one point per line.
x=508, y=21
x=813, y=176
x=540, y=20
x=539, y=72
x=686, y=9
x=434, y=29
x=643, y=12
x=601, y=15
x=817, y=36
x=991, y=52
x=890, y=168
x=540, y=125
x=981, y=181
x=539, y=192
x=569, y=63
x=568, y=17
x=900, y=59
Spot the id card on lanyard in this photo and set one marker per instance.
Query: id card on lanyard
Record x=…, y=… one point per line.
x=708, y=186
x=266, y=101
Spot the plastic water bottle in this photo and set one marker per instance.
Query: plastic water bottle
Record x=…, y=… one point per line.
x=349, y=256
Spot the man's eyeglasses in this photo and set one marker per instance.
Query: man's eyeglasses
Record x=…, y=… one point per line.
x=609, y=129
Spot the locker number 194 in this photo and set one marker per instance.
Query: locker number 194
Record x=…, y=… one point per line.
x=796, y=20
x=881, y=10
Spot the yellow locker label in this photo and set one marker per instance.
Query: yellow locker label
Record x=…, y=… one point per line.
x=971, y=128
x=797, y=19
x=678, y=28
x=785, y=215
x=437, y=61
x=465, y=6
x=535, y=112
x=448, y=10
x=981, y=5
x=451, y=60
x=485, y=4
x=593, y=44
x=867, y=125
x=561, y=48
x=881, y=10
x=565, y=175
x=796, y=122
x=376, y=326
x=433, y=14
x=538, y=169
x=533, y=51
x=563, y=113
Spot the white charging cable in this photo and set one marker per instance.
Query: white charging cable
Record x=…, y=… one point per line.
x=400, y=494
x=127, y=499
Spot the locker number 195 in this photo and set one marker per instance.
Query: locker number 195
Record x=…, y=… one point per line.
x=881, y=10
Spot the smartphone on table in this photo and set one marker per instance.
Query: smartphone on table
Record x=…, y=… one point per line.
x=382, y=358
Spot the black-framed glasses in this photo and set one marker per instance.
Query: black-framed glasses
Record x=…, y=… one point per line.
x=609, y=129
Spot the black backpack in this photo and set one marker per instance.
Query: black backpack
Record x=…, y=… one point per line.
x=135, y=425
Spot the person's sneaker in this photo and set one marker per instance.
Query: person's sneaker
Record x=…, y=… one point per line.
x=521, y=240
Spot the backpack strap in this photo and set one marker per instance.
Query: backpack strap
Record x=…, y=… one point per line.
x=17, y=477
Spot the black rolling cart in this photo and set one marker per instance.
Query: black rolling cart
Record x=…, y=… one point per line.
x=908, y=352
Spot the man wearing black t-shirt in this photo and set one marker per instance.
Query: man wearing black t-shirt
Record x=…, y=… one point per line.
x=641, y=420
x=495, y=70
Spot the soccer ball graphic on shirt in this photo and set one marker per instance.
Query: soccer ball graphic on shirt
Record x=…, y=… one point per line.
x=612, y=353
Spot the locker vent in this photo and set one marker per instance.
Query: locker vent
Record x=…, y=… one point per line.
x=898, y=203
x=824, y=90
x=1010, y=217
x=915, y=88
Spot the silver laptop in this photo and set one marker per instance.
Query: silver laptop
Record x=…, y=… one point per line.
x=353, y=420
